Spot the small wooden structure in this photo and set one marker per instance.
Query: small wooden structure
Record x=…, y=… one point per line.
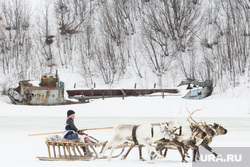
x=69, y=151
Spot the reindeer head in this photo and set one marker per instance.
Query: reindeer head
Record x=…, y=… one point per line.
x=219, y=129
x=166, y=131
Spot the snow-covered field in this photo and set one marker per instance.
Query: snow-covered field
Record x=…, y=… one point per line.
x=16, y=122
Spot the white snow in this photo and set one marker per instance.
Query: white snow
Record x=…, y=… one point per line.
x=231, y=109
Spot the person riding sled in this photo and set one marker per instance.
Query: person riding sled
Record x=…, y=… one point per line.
x=71, y=132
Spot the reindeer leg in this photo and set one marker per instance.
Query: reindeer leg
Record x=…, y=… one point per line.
x=105, y=148
x=211, y=150
x=112, y=150
x=159, y=148
x=180, y=144
x=194, y=154
x=182, y=155
x=198, y=153
x=186, y=148
x=165, y=153
x=148, y=146
x=140, y=152
x=112, y=143
x=195, y=150
x=130, y=148
x=150, y=149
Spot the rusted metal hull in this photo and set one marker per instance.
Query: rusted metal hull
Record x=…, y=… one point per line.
x=49, y=92
x=32, y=95
x=106, y=93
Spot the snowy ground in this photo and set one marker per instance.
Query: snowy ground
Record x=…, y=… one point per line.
x=16, y=122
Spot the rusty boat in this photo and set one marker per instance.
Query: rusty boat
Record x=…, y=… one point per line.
x=50, y=91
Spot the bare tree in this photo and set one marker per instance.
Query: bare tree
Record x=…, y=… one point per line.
x=124, y=11
x=15, y=38
x=228, y=45
x=111, y=48
x=108, y=61
x=45, y=37
x=182, y=20
x=70, y=16
x=169, y=28
x=86, y=50
x=112, y=24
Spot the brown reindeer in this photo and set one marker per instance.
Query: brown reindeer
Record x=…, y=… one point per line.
x=211, y=130
x=182, y=144
x=218, y=130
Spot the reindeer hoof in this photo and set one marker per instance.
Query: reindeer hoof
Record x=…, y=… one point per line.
x=184, y=161
x=153, y=156
x=150, y=162
x=141, y=159
x=99, y=156
x=219, y=156
x=187, y=155
x=160, y=157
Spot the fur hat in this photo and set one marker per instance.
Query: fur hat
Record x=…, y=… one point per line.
x=70, y=112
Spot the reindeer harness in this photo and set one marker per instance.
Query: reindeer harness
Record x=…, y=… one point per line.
x=180, y=130
x=196, y=129
x=134, y=134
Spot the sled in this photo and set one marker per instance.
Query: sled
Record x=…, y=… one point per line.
x=71, y=151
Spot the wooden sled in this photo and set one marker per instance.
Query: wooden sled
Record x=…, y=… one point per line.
x=69, y=151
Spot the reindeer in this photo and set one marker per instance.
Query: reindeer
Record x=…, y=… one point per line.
x=211, y=130
x=187, y=139
x=218, y=130
x=146, y=135
x=184, y=139
x=201, y=134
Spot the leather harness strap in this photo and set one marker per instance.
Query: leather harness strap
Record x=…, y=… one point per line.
x=180, y=130
x=194, y=130
x=152, y=132
x=134, y=134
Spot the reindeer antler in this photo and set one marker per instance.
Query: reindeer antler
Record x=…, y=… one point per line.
x=192, y=114
x=194, y=123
